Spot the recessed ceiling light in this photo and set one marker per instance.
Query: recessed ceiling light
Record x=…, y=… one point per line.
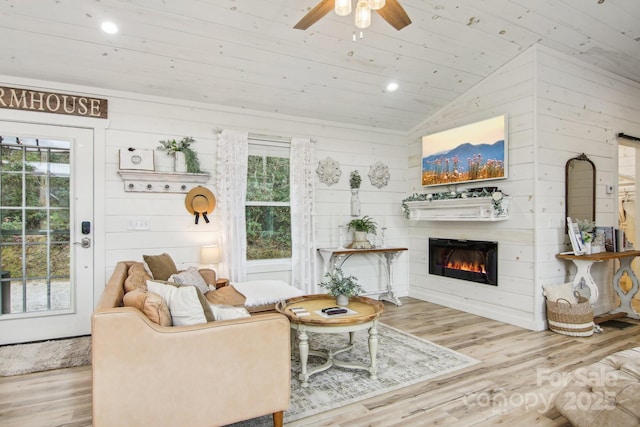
x=392, y=87
x=109, y=27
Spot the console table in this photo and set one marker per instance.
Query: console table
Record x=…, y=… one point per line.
x=335, y=257
x=584, y=262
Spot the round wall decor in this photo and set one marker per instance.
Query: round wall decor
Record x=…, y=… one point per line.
x=329, y=171
x=379, y=174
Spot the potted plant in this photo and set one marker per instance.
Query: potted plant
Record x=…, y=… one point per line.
x=355, y=180
x=354, y=183
x=361, y=227
x=182, y=149
x=340, y=286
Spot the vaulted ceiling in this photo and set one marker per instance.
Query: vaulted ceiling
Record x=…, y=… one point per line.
x=246, y=54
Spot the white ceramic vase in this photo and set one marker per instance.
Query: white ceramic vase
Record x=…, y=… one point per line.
x=180, y=162
x=355, y=202
x=360, y=236
x=360, y=240
x=342, y=300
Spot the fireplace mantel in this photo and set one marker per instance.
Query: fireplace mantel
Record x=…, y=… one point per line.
x=462, y=209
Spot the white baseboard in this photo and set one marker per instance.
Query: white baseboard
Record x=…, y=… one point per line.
x=480, y=309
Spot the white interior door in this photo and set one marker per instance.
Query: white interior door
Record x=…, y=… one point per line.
x=46, y=229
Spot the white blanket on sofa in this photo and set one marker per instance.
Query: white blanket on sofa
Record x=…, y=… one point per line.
x=263, y=292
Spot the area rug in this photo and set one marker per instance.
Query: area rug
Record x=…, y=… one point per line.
x=21, y=359
x=403, y=359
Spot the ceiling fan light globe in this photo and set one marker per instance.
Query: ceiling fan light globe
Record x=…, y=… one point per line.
x=363, y=14
x=343, y=7
x=376, y=4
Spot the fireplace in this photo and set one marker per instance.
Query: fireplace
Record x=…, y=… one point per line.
x=472, y=260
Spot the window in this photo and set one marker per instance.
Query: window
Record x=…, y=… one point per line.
x=268, y=207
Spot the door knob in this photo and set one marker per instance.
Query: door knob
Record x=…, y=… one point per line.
x=85, y=242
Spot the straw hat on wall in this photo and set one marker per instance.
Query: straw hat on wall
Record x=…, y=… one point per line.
x=200, y=201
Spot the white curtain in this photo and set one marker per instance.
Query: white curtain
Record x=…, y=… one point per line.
x=303, y=236
x=231, y=182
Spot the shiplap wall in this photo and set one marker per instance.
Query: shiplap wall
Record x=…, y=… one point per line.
x=558, y=107
x=509, y=90
x=580, y=109
x=141, y=122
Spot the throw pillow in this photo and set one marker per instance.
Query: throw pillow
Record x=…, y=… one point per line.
x=190, y=276
x=563, y=291
x=227, y=312
x=137, y=278
x=161, y=266
x=151, y=304
x=185, y=305
x=208, y=275
x=226, y=295
x=206, y=308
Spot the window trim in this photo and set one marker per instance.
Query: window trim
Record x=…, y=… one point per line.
x=277, y=204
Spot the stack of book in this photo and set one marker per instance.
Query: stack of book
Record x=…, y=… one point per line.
x=615, y=239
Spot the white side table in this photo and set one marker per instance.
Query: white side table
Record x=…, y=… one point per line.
x=583, y=264
x=335, y=257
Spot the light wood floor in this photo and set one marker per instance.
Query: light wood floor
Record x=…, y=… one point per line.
x=517, y=376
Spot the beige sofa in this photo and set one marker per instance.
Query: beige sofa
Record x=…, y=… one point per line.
x=208, y=374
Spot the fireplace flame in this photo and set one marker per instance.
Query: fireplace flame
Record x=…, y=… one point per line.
x=467, y=266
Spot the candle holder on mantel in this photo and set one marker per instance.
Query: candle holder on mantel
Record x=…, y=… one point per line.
x=382, y=230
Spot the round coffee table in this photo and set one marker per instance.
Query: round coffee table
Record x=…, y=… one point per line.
x=363, y=314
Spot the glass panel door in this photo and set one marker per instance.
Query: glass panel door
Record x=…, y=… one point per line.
x=42, y=296
x=34, y=224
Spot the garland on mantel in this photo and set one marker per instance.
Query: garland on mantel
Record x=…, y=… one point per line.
x=496, y=197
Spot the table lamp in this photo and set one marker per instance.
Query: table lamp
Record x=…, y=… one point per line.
x=210, y=255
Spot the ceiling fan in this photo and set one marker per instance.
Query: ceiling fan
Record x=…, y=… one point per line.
x=390, y=11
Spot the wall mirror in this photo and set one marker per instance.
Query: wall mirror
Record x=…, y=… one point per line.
x=580, y=188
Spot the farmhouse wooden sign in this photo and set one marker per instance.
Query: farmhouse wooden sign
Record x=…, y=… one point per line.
x=49, y=102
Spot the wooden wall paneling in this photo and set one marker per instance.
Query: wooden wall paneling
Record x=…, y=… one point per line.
x=148, y=121
x=510, y=90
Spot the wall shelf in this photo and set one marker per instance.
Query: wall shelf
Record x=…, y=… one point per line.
x=463, y=209
x=161, y=182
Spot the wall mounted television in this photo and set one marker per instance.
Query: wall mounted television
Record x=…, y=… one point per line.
x=474, y=152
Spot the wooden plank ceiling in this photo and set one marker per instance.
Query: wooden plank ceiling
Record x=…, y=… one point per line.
x=246, y=54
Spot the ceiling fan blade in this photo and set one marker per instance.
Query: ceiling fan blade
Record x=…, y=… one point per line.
x=321, y=9
x=394, y=14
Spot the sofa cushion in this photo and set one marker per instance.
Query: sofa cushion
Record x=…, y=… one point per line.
x=161, y=266
x=151, y=304
x=185, y=305
x=227, y=312
x=137, y=278
x=190, y=276
x=605, y=393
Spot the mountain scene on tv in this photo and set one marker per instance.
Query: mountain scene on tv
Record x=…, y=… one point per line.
x=466, y=162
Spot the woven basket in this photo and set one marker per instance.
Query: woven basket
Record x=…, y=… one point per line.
x=575, y=320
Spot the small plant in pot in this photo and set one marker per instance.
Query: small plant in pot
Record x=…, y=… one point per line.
x=173, y=147
x=361, y=227
x=340, y=286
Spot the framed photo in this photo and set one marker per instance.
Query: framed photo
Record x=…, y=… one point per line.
x=609, y=234
x=475, y=152
x=134, y=159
